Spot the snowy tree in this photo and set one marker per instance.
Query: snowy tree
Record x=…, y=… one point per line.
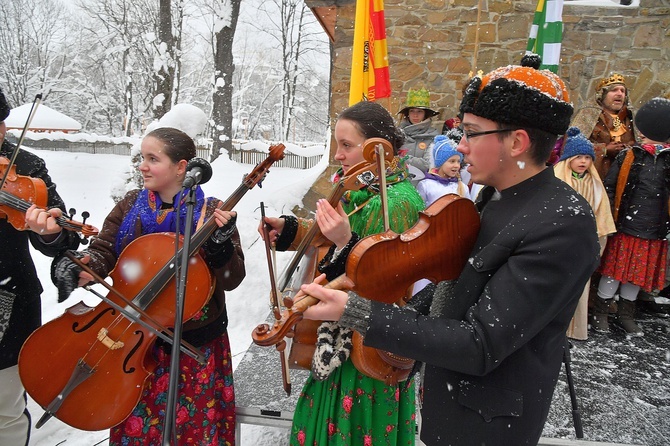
x=164, y=60
x=293, y=29
x=33, y=48
x=226, y=13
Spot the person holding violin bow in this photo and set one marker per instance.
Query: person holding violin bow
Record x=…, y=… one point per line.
x=493, y=342
x=205, y=412
x=20, y=288
x=338, y=404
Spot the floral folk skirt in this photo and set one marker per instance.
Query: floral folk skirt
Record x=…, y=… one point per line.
x=205, y=413
x=351, y=409
x=635, y=260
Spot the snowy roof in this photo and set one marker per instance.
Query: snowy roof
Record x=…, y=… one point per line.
x=45, y=119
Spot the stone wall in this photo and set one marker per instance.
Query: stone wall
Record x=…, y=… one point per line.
x=432, y=43
x=437, y=44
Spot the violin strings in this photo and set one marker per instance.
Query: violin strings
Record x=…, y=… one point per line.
x=23, y=205
x=114, y=323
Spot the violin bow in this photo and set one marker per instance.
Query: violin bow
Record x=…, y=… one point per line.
x=274, y=300
x=381, y=168
x=31, y=115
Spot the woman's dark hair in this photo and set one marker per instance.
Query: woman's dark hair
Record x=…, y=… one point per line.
x=374, y=121
x=178, y=145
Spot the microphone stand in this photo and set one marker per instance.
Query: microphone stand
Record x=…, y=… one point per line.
x=181, y=263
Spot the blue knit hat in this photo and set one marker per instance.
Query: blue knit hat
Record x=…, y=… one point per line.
x=577, y=144
x=443, y=149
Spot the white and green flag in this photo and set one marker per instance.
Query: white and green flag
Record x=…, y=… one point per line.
x=547, y=32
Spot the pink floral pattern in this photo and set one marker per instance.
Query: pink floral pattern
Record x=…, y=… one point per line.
x=206, y=404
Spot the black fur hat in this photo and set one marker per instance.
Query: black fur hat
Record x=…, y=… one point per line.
x=4, y=107
x=520, y=96
x=653, y=119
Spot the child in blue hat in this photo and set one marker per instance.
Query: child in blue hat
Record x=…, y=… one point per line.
x=575, y=167
x=445, y=177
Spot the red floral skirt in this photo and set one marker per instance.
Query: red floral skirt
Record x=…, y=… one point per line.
x=635, y=260
x=206, y=404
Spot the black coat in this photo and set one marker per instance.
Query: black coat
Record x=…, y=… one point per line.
x=493, y=356
x=18, y=277
x=643, y=211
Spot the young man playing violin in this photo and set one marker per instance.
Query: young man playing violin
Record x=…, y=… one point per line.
x=20, y=288
x=493, y=340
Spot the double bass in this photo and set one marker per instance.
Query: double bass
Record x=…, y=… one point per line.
x=100, y=357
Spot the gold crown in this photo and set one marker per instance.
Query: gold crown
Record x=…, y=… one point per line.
x=615, y=78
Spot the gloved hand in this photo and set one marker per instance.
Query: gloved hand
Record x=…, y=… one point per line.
x=65, y=274
x=222, y=234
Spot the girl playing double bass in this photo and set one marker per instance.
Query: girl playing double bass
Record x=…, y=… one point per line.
x=206, y=402
x=338, y=405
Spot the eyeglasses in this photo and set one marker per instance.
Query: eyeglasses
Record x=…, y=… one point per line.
x=469, y=135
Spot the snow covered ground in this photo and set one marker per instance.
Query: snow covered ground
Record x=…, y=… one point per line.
x=623, y=384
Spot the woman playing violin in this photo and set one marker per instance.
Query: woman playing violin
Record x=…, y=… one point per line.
x=338, y=404
x=20, y=288
x=206, y=403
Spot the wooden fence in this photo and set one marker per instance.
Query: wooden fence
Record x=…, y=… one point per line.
x=290, y=159
x=109, y=148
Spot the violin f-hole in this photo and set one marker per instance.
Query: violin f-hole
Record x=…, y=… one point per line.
x=129, y=356
x=92, y=321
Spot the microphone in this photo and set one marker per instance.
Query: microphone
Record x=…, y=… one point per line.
x=198, y=171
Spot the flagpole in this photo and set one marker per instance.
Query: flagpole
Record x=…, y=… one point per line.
x=479, y=15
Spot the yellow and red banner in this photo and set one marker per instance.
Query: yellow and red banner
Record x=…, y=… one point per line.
x=369, y=61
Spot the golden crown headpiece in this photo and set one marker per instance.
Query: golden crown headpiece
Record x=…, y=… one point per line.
x=614, y=78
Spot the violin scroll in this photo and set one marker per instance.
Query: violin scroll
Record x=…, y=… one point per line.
x=84, y=229
x=265, y=336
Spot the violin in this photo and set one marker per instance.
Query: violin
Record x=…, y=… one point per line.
x=19, y=192
x=303, y=266
x=100, y=357
x=383, y=266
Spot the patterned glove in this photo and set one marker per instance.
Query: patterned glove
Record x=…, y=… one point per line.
x=222, y=234
x=65, y=275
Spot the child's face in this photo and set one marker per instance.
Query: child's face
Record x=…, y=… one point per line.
x=580, y=163
x=451, y=167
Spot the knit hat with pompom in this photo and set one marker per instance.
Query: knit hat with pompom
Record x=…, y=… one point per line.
x=576, y=144
x=520, y=96
x=443, y=149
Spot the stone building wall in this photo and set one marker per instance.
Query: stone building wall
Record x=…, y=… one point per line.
x=437, y=44
x=432, y=43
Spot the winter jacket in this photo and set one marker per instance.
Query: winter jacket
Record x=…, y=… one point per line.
x=643, y=211
x=226, y=263
x=418, y=140
x=434, y=186
x=493, y=355
x=18, y=278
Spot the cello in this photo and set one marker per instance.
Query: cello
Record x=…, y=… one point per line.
x=100, y=357
x=436, y=248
